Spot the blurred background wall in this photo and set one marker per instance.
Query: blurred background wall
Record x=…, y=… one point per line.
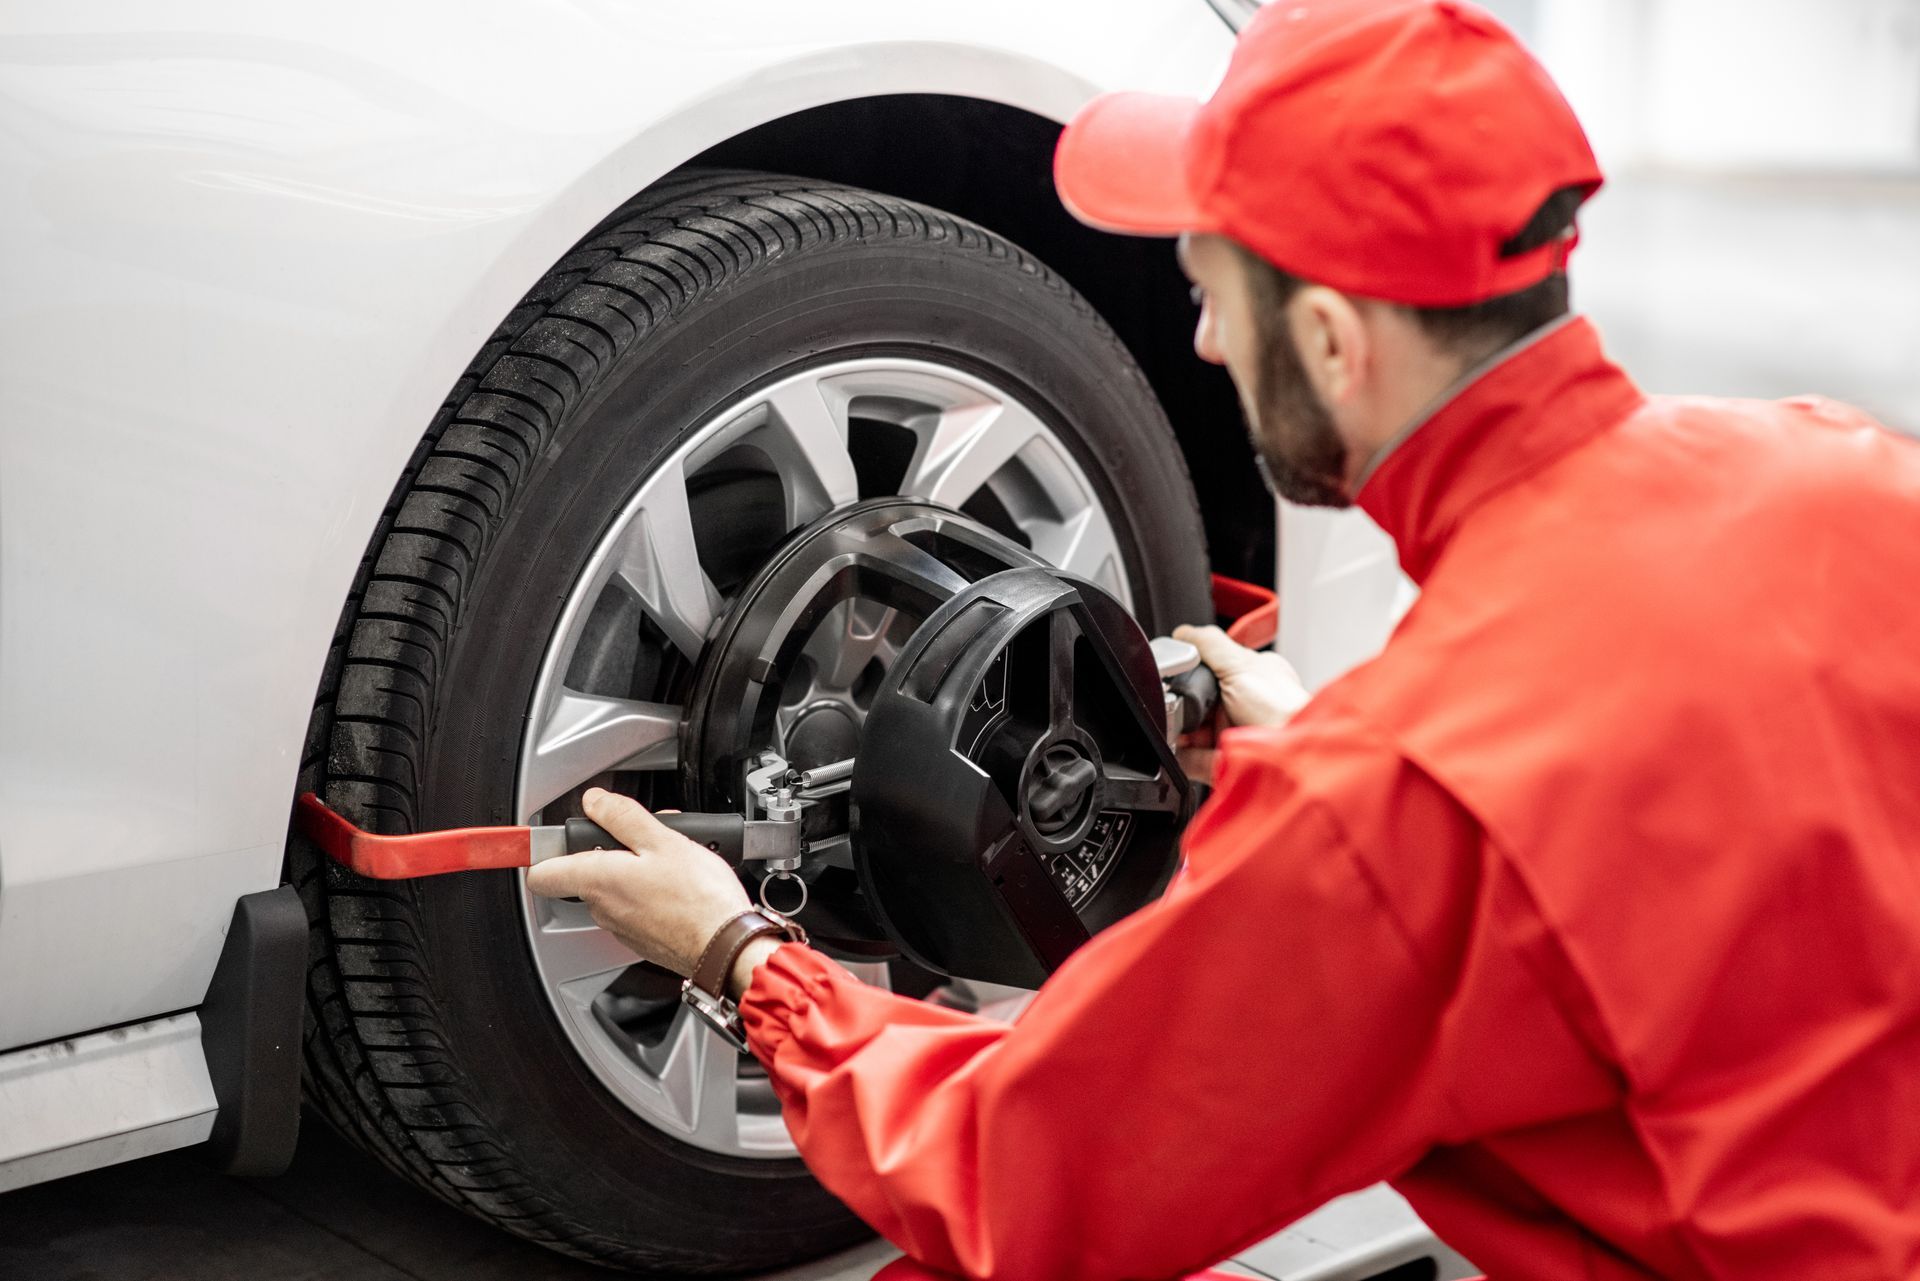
x=1759, y=234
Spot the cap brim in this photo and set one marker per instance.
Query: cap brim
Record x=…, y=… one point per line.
x=1122, y=165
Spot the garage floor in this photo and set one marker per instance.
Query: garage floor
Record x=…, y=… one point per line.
x=337, y=1215
x=1718, y=287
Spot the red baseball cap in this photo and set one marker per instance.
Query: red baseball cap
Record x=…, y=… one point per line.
x=1387, y=148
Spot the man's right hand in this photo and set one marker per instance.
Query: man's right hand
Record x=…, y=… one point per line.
x=1257, y=687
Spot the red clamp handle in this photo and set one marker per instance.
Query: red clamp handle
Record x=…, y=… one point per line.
x=469, y=849
x=387, y=858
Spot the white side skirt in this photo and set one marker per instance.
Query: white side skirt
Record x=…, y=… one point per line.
x=92, y=1100
x=1352, y=1238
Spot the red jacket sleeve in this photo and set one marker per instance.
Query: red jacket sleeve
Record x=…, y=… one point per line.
x=1193, y=1079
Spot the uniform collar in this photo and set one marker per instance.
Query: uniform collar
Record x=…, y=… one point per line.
x=1503, y=420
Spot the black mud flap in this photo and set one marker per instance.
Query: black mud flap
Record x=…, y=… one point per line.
x=250, y=1030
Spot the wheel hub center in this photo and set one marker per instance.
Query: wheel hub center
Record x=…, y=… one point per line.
x=1060, y=787
x=821, y=734
x=1011, y=788
x=1015, y=791
x=796, y=661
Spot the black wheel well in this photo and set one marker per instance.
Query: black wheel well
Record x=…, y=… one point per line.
x=993, y=164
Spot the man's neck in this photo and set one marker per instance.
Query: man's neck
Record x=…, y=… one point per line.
x=1453, y=378
x=1506, y=421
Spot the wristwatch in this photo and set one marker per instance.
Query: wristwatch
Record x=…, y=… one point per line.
x=706, y=988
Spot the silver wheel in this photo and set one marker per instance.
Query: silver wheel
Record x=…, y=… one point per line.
x=955, y=439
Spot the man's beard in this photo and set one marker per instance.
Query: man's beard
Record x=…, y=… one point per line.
x=1295, y=444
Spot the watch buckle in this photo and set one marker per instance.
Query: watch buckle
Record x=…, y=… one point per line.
x=720, y=1013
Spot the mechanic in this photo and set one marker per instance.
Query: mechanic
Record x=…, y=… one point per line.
x=1587, y=914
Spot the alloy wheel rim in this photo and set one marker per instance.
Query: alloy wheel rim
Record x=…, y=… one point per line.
x=971, y=440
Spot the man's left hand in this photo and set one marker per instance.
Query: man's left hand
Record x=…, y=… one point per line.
x=663, y=896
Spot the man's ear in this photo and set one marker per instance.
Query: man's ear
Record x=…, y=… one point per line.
x=1332, y=338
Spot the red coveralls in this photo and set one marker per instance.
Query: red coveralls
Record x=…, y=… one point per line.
x=1587, y=915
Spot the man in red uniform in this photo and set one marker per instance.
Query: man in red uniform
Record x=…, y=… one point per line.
x=1588, y=913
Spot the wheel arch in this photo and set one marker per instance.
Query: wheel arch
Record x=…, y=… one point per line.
x=992, y=162
x=862, y=116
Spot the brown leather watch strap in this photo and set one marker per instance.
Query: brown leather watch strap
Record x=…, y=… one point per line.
x=711, y=971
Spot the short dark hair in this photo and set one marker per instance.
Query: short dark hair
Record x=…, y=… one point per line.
x=1482, y=328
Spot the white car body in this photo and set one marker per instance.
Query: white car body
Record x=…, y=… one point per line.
x=247, y=253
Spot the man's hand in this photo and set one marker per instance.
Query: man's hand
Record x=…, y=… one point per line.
x=663, y=896
x=1257, y=687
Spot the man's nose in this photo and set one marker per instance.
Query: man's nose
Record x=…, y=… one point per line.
x=1205, y=345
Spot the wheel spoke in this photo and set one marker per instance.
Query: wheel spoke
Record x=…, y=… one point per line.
x=583, y=958
x=930, y=579
x=857, y=635
x=657, y=558
x=586, y=735
x=699, y=1076
x=1130, y=790
x=1082, y=544
x=963, y=447
x=805, y=436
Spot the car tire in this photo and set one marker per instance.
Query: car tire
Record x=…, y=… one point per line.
x=429, y=1041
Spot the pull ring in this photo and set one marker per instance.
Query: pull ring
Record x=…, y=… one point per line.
x=768, y=883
